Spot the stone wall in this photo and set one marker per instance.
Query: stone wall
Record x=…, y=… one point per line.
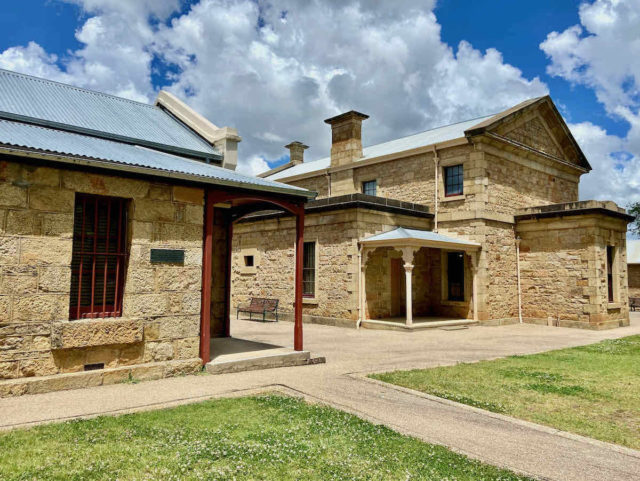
x=336, y=299
x=160, y=320
x=564, y=271
x=634, y=279
x=514, y=185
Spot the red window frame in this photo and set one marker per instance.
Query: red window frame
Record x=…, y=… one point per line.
x=100, y=255
x=309, y=270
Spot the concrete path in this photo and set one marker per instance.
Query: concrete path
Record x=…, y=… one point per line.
x=523, y=447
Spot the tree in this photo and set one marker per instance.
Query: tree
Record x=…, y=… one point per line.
x=634, y=210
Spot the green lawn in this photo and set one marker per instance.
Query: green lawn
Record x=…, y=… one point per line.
x=590, y=390
x=266, y=438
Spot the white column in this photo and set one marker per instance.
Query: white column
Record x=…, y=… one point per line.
x=474, y=269
x=407, y=257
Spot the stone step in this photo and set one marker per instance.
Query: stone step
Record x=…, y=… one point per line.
x=252, y=361
x=419, y=326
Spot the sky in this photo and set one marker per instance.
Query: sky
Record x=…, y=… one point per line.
x=275, y=69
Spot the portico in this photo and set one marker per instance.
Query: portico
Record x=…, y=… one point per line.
x=417, y=275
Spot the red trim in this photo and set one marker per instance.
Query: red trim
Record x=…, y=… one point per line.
x=297, y=330
x=227, y=297
x=243, y=199
x=205, y=311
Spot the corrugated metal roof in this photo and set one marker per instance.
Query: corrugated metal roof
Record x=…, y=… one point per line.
x=422, y=139
x=53, y=104
x=633, y=251
x=42, y=139
x=401, y=234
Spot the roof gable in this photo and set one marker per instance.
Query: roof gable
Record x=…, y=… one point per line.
x=65, y=107
x=537, y=124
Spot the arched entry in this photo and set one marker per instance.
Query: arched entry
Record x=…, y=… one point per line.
x=238, y=204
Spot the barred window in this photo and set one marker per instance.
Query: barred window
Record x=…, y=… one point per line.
x=455, y=276
x=611, y=253
x=309, y=270
x=369, y=187
x=453, y=180
x=99, y=257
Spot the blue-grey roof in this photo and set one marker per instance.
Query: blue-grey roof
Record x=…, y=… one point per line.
x=52, y=104
x=422, y=139
x=111, y=154
x=401, y=234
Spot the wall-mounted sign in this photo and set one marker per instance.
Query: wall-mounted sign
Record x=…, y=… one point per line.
x=167, y=256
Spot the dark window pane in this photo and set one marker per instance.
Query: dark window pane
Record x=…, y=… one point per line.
x=369, y=187
x=453, y=180
x=455, y=276
x=610, y=255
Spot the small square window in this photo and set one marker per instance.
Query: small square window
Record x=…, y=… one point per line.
x=248, y=261
x=453, y=180
x=370, y=187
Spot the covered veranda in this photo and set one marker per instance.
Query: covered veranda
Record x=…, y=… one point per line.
x=412, y=279
x=218, y=350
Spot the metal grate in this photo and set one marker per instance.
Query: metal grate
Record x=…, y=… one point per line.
x=99, y=257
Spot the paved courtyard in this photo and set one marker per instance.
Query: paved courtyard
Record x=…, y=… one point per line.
x=521, y=446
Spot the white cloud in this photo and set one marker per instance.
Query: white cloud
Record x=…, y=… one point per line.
x=276, y=69
x=601, y=54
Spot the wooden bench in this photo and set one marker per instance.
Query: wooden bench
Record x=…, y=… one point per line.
x=634, y=303
x=259, y=305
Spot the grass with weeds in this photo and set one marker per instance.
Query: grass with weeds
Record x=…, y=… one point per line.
x=265, y=437
x=591, y=390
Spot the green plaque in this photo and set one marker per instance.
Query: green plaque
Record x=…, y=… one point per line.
x=167, y=256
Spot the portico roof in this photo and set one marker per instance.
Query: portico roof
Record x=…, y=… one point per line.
x=418, y=238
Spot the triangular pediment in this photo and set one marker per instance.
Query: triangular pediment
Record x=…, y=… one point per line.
x=537, y=125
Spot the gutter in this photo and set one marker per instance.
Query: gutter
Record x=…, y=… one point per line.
x=166, y=174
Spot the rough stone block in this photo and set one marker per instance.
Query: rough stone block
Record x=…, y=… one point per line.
x=80, y=334
x=51, y=199
x=45, y=251
x=104, y=185
x=54, y=279
x=188, y=194
x=12, y=195
x=40, y=307
x=153, y=210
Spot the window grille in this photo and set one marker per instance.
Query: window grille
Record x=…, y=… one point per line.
x=610, y=258
x=453, y=180
x=309, y=270
x=99, y=257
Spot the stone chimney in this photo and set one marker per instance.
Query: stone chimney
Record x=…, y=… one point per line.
x=346, y=137
x=296, y=152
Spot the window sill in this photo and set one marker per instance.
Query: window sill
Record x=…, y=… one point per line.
x=446, y=302
x=310, y=300
x=95, y=332
x=614, y=305
x=248, y=270
x=453, y=198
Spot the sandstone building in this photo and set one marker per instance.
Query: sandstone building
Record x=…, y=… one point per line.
x=114, y=223
x=473, y=222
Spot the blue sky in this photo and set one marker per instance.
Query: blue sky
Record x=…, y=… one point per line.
x=275, y=80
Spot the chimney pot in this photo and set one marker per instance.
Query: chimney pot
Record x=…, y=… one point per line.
x=346, y=137
x=296, y=152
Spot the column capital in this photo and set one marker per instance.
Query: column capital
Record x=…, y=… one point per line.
x=407, y=255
